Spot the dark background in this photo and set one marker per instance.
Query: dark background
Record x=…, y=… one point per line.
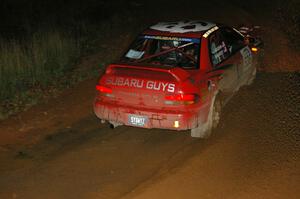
x=20, y=18
x=28, y=14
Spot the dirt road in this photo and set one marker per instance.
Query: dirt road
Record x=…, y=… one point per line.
x=59, y=149
x=253, y=154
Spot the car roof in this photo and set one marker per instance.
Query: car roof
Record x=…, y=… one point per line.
x=193, y=28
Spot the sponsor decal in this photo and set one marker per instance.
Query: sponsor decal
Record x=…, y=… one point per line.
x=138, y=83
x=207, y=33
x=194, y=40
x=219, y=52
x=247, y=57
x=134, y=54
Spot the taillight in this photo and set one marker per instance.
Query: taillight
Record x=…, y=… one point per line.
x=104, y=90
x=185, y=99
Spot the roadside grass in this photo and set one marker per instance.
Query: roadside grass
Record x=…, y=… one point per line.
x=29, y=67
x=49, y=61
x=42, y=45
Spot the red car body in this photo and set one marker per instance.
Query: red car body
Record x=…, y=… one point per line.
x=143, y=92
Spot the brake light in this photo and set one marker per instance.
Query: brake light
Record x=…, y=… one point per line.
x=180, y=97
x=109, y=70
x=103, y=89
x=185, y=99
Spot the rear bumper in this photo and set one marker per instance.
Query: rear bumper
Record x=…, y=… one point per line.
x=174, y=120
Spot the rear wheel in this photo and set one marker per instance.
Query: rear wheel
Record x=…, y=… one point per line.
x=204, y=130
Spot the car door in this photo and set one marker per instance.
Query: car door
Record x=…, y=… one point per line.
x=223, y=58
x=236, y=45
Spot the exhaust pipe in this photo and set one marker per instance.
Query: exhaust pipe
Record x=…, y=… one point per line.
x=113, y=125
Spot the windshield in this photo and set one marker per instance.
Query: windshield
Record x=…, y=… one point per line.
x=164, y=51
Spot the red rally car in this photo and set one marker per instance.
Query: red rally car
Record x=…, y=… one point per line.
x=177, y=75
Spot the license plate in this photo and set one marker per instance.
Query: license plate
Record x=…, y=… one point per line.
x=137, y=120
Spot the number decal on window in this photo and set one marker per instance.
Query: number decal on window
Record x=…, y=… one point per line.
x=247, y=57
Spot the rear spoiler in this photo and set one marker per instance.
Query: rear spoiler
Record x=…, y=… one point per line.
x=178, y=73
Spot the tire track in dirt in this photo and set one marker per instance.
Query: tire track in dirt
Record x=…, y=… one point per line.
x=255, y=152
x=88, y=156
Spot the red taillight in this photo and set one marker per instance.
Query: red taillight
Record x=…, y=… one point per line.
x=103, y=89
x=109, y=70
x=181, y=99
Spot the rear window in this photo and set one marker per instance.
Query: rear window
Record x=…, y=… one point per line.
x=164, y=51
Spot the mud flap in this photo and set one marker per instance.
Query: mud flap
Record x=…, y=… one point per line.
x=203, y=130
x=252, y=77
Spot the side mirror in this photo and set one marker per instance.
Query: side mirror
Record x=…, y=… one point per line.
x=254, y=43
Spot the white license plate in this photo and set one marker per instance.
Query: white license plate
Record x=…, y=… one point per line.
x=137, y=120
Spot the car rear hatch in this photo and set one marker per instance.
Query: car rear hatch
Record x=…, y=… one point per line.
x=145, y=87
